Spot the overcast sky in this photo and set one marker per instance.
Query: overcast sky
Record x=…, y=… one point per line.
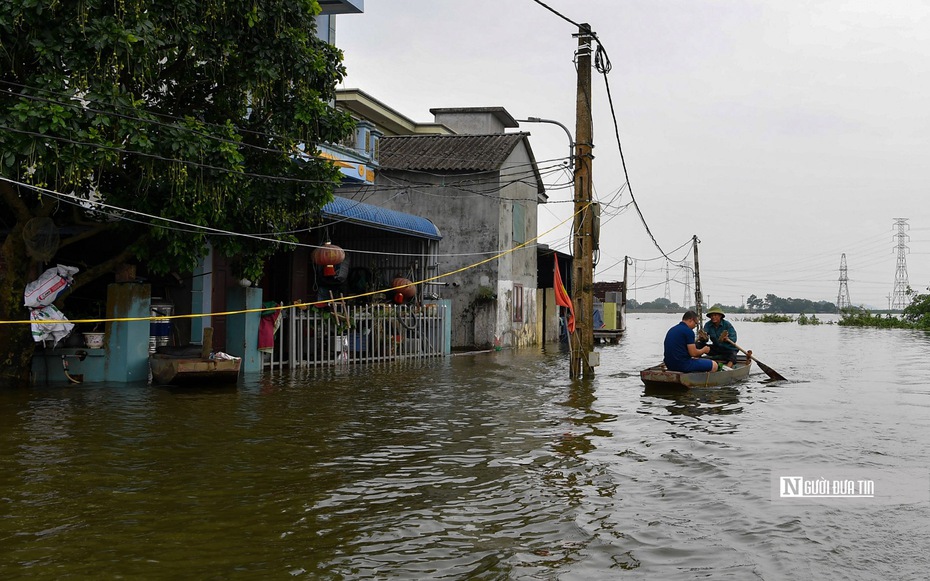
x=782, y=134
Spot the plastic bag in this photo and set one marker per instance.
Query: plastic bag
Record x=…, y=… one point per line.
x=44, y=290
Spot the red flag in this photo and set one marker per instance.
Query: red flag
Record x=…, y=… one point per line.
x=561, y=297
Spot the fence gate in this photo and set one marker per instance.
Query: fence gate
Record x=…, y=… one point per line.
x=358, y=334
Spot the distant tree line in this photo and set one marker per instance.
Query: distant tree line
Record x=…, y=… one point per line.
x=776, y=304
x=659, y=304
x=770, y=304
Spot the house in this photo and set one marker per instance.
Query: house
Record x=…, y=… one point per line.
x=481, y=187
x=210, y=290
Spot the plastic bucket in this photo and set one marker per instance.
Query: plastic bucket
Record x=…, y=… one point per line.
x=160, y=329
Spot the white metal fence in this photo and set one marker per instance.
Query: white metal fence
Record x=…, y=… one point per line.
x=359, y=334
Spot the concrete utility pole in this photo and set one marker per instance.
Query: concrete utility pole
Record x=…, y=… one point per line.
x=583, y=279
x=626, y=283
x=698, y=298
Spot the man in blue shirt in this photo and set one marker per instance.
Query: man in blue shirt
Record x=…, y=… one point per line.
x=681, y=354
x=714, y=331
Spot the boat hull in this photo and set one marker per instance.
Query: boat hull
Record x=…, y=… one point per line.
x=194, y=371
x=658, y=376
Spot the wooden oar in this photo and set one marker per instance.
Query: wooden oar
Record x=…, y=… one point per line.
x=768, y=370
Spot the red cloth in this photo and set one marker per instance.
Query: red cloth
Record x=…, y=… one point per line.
x=561, y=297
x=266, y=329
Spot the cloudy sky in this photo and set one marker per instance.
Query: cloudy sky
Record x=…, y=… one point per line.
x=782, y=134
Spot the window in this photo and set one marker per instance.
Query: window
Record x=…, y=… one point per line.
x=518, y=303
x=519, y=223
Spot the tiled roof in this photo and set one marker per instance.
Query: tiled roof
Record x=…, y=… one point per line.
x=448, y=152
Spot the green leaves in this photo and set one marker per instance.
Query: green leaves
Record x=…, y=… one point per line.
x=188, y=110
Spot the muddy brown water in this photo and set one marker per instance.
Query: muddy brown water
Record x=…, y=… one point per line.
x=492, y=466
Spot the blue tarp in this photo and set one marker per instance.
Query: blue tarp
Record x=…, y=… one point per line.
x=382, y=218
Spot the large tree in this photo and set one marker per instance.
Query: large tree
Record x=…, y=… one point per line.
x=200, y=112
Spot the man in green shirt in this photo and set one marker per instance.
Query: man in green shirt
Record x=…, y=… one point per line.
x=715, y=330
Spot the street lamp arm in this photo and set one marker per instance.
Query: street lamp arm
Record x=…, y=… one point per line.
x=571, y=139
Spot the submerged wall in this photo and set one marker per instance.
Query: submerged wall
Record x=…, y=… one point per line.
x=124, y=357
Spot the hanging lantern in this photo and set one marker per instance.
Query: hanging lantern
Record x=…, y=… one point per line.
x=404, y=288
x=328, y=256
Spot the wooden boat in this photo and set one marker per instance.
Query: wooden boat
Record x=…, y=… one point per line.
x=658, y=376
x=194, y=364
x=169, y=369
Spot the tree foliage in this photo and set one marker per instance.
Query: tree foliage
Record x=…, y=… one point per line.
x=659, y=304
x=189, y=111
x=917, y=311
x=915, y=316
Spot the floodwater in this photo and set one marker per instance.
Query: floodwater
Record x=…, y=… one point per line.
x=490, y=466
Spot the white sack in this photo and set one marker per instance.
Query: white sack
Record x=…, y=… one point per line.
x=49, y=331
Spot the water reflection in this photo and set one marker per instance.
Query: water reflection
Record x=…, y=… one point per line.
x=581, y=397
x=708, y=405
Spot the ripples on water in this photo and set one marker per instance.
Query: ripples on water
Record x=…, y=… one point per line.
x=492, y=466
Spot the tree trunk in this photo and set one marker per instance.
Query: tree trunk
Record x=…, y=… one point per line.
x=16, y=345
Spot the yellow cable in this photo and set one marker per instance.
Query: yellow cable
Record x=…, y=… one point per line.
x=299, y=304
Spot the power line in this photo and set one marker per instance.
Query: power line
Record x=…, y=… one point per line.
x=602, y=65
x=626, y=175
x=190, y=228
x=557, y=13
x=162, y=158
x=78, y=96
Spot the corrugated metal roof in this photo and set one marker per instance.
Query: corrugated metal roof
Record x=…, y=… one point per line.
x=448, y=152
x=383, y=218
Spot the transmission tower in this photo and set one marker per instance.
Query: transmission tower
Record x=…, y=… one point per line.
x=899, y=296
x=842, y=298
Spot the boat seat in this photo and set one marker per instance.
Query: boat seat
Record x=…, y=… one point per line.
x=184, y=351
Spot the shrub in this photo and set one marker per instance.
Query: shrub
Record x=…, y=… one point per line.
x=773, y=318
x=860, y=317
x=812, y=320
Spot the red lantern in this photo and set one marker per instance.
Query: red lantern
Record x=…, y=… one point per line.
x=404, y=288
x=328, y=256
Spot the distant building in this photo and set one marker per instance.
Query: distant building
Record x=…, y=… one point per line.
x=609, y=292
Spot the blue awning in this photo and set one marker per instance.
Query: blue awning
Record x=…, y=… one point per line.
x=381, y=218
